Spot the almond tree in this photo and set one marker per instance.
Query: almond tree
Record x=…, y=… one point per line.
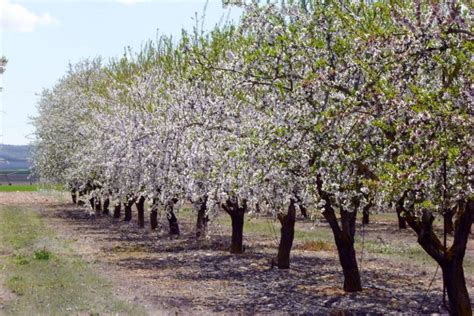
x=425, y=114
x=297, y=74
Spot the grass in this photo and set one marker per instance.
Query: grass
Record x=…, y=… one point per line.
x=321, y=239
x=29, y=187
x=19, y=188
x=45, y=273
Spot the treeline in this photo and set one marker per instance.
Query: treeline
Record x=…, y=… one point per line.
x=335, y=106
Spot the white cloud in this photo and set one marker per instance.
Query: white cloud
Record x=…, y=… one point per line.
x=17, y=18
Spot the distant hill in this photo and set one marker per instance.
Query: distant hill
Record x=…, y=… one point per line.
x=14, y=157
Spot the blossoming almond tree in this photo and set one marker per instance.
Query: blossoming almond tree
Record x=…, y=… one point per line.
x=425, y=108
x=297, y=75
x=334, y=106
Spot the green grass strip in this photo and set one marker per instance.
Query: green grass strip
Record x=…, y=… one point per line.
x=45, y=273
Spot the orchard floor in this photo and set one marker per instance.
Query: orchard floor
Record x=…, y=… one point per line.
x=185, y=276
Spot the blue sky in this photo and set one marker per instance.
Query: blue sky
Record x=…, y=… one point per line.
x=40, y=38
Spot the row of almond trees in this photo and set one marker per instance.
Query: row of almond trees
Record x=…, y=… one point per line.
x=334, y=106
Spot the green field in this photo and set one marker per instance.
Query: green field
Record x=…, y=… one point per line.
x=28, y=187
x=19, y=188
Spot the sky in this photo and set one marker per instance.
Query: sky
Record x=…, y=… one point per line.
x=40, y=38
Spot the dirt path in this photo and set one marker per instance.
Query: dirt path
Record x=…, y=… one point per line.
x=184, y=276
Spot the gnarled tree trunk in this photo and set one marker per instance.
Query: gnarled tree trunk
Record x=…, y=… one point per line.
x=80, y=202
x=128, y=209
x=402, y=224
x=455, y=282
x=98, y=205
x=154, y=215
x=202, y=220
x=366, y=213
x=303, y=209
x=450, y=260
x=172, y=219
x=448, y=221
x=344, y=238
x=74, y=196
x=141, y=211
x=105, y=210
x=117, y=210
x=236, y=213
x=236, y=245
x=287, y=235
x=347, y=258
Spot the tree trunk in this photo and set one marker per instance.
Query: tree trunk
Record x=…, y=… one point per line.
x=80, y=202
x=236, y=213
x=202, y=220
x=74, y=196
x=365, y=217
x=287, y=235
x=154, y=219
x=128, y=210
x=344, y=238
x=453, y=277
x=303, y=209
x=448, y=221
x=366, y=212
x=236, y=245
x=173, y=223
x=154, y=214
x=98, y=205
x=141, y=211
x=172, y=219
x=106, y=207
x=450, y=259
x=117, y=210
x=347, y=258
x=402, y=224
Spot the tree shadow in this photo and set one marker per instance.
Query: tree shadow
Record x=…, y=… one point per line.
x=247, y=283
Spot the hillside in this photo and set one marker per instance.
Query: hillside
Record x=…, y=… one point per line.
x=14, y=157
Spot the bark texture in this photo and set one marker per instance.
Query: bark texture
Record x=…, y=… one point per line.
x=128, y=209
x=98, y=205
x=154, y=215
x=236, y=213
x=287, y=236
x=448, y=221
x=117, y=210
x=202, y=220
x=105, y=210
x=80, y=201
x=402, y=224
x=450, y=259
x=141, y=211
x=74, y=196
x=344, y=238
x=366, y=213
x=172, y=219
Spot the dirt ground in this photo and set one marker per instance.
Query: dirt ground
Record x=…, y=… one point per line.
x=183, y=276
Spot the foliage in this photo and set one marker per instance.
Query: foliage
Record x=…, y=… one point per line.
x=334, y=105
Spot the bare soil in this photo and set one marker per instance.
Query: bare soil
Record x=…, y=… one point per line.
x=169, y=276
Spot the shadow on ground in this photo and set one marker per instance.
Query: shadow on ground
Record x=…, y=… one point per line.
x=202, y=276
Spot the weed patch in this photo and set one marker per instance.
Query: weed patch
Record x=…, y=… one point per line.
x=42, y=254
